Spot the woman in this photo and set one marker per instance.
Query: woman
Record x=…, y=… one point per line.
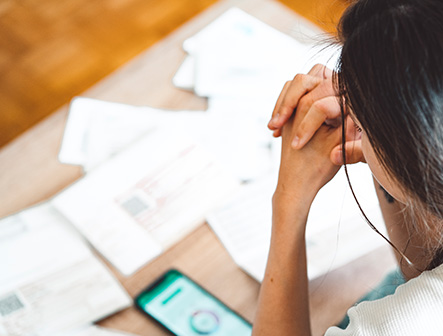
x=383, y=106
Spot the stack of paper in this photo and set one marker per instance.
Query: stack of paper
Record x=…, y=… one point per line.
x=98, y=130
x=50, y=281
x=148, y=197
x=240, y=64
x=239, y=56
x=148, y=183
x=154, y=175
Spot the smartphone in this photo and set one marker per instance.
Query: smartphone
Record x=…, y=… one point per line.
x=186, y=309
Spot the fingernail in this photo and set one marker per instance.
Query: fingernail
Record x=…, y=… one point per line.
x=274, y=120
x=295, y=142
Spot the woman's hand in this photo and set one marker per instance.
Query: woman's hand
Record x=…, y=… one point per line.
x=314, y=96
x=314, y=93
x=304, y=171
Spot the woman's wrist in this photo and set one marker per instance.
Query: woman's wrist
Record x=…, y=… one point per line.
x=289, y=212
x=295, y=199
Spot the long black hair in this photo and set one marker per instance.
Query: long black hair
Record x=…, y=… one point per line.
x=390, y=74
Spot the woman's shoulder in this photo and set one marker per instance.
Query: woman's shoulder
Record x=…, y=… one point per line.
x=429, y=283
x=416, y=308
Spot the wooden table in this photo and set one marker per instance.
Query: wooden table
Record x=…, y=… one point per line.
x=30, y=173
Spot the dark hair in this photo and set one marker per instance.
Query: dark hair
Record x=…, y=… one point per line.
x=390, y=74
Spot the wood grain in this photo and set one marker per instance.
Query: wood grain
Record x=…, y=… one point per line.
x=52, y=50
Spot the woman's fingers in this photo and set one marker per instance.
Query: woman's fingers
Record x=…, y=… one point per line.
x=318, y=70
x=304, y=90
x=278, y=104
x=320, y=112
x=277, y=133
x=288, y=100
x=321, y=71
x=353, y=150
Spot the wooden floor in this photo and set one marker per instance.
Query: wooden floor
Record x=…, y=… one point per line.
x=52, y=50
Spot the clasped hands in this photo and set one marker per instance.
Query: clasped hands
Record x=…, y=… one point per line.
x=308, y=117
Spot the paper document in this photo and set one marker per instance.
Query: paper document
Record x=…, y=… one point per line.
x=241, y=64
x=243, y=225
x=50, y=281
x=336, y=232
x=234, y=131
x=238, y=137
x=145, y=199
x=185, y=75
x=97, y=130
x=239, y=55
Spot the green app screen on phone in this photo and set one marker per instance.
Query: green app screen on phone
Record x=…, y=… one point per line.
x=185, y=308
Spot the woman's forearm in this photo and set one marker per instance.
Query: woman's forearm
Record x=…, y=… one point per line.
x=283, y=307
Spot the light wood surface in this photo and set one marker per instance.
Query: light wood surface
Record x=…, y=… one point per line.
x=30, y=173
x=51, y=50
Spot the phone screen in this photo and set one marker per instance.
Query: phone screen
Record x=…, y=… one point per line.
x=185, y=308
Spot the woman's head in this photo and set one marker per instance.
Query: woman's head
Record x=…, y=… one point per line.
x=391, y=76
